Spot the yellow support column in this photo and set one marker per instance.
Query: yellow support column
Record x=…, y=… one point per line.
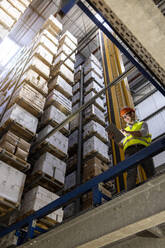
x=116, y=97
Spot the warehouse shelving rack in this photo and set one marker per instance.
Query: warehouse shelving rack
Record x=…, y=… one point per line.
x=26, y=228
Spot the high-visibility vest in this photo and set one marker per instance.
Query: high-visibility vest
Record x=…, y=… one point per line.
x=130, y=140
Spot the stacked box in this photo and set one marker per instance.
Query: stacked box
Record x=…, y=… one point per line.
x=37, y=198
x=95, y=138
x=21, y=114
x=15, y=145
x=11, y=186
x=54, y=149
x=10, y=12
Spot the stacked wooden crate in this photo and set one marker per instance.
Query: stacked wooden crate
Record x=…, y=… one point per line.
x=10, y=12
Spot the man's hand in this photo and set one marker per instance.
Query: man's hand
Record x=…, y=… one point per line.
x=133, y=133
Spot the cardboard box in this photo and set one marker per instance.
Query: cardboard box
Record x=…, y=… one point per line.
x=54, y=116
x=38, y=66
x=58, y=141
x=98, y=102
x=54, y=23
x=93, y=113
x=43, y=54
x=92, y=76
x=92, y=168
x=6, y=20
x=70, y=181
x=20, y=116
x=47, y=43
x=59, y=101
x=60, y=84
x=72, y=38
x=76, y=87
x=29, y=98
x=76, y=98
x=35, y=80
x=37, y=198
x=91, y=66
x=94, y=128
x=64, y=72
x=11, y=10
x=95, y=146
x=11, y=183
x=17, y=4
x=62, y=57
x=73, y=139
x=51, y=166
x=67, y=51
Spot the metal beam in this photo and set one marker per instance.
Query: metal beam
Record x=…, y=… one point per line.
x=120, y=46
x=153, y=149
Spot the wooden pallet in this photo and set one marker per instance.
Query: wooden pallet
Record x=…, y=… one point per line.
x=44, y=223
x=94, y=118
x=95, y=154
x=44, y=180
x=27, y=106
x=103, y=139
x=17, y=128
x=53, y=123
x=47, y=147
x=13, y=160
x=6, y=206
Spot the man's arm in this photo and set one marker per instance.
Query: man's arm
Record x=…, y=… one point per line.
x=143, y=132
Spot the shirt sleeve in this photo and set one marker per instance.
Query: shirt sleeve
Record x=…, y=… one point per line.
x=144, y=129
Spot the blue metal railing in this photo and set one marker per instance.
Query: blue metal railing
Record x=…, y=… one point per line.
x=92, y=184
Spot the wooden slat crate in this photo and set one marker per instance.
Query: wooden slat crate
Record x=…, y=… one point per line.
x=11, y=187
x=35, y=80
x=60, y=84
x=37, y=198
x=53, y=117
x=59, y=101
x=28, y=98
x=20, y=121
x=94, y=128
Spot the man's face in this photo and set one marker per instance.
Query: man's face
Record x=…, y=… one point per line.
x=129, y=117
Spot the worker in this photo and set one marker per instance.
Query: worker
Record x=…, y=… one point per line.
x=136, y=138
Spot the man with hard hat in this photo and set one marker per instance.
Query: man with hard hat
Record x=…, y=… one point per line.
x=136, y=138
